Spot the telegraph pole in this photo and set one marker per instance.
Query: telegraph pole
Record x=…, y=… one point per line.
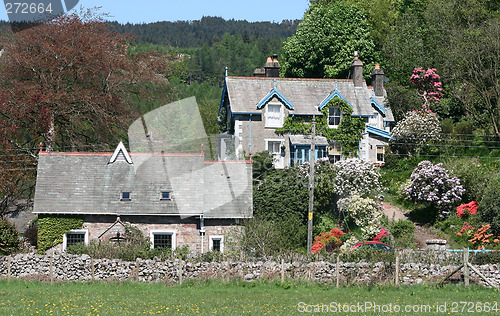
x=312, y=157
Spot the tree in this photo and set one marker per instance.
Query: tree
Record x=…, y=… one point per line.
x=325, y=42
x=62, y=83
x=9, y=238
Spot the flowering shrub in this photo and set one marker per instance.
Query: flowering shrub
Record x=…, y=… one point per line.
x=354, y=176
x=466, y=229
x=383, y=232
x=365, y=213
x=349, y=243
x=481, y=237
x=416, y=129
x=432, y=184
x=427, y=84
x=464, y=210
x=327, y=241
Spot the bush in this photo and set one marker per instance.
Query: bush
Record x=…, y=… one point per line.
x=489, y=207
x=432, y=185
x=473, y=177
x=402, y=228
x=9, y=238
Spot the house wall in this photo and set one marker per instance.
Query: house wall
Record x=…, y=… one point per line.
x=187, y=230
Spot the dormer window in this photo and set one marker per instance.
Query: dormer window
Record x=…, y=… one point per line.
x=125, y=196
x=165, y=195
x=274, y=115
x=334, y=117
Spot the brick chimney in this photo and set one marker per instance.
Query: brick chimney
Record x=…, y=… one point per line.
x=378, y=81
x=272, y=66
x=357, y=71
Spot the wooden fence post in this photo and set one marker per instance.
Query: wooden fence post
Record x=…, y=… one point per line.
x=466, y=266
x=92, y=268
x=180, y=272
x=396, y=280
x=8, y=268
x=282, y=270
x=337, y=268
x=50, y=270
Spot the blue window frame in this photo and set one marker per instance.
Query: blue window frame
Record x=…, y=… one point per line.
x=301, y=153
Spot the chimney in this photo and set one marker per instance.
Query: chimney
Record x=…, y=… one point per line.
x=357, y=71
x=272, y=66
x=378, y=81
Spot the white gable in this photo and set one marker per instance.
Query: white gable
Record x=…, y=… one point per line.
x=120, y=154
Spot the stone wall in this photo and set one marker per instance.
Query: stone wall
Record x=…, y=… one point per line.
x=67, y=267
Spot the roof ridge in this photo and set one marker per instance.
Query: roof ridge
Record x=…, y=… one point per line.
x=291, y=79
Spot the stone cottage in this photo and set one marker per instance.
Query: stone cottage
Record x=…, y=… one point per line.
x=253, y=107
x=175, y=199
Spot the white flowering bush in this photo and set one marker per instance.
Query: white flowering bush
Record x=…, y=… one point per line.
x=349, y=243
x=357, y=177
x=365, y=212
x=415, y=130
x=432, y=184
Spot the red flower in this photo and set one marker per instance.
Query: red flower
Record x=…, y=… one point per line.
x=382, y=233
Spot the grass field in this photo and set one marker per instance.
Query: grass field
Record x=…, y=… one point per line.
x=235, y=298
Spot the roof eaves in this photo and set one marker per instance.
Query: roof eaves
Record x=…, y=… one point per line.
x=378, y=132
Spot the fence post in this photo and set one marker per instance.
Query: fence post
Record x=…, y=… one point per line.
x=466, y=266
x=180, y=272
x=337, y=272
x=92, y=268
x=50, y=270
x=396, y=281
x=282, y=270
x=8, y=268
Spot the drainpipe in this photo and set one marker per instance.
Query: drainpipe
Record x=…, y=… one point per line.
x=202, y=232
x=250, y=134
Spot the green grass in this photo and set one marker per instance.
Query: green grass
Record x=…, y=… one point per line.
x=237, y=297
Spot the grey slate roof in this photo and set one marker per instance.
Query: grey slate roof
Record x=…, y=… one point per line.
x=304, y=94
x=85, y=183
x=307, y=140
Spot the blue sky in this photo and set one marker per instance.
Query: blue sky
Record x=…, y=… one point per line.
x=144, y=11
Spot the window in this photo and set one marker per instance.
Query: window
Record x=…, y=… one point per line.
x=380, y=153
x=165, y=195
x=274, y=147
x=334, y=153
x=333, y=117
x=75, y=237
x=162, y=239
x=217, y=243
x=125, y=196
x=274, y=117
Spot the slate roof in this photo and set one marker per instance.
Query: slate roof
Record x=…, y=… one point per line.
x=307, y=140
x=86, y=183
x=305, y=95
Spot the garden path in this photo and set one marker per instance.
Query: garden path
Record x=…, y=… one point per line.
x=421, y=234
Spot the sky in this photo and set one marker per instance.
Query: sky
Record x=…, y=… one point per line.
x=145, y=11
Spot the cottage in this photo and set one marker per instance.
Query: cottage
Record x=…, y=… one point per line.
x=252, y=108
x=174, y=199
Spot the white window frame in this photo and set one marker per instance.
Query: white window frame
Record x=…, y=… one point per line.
x=338, y=147
x=211, y=242
x=274, y=123
x=152, y=234
x=278, y=160
x=339, y=116
x=169, y=195
x=383, y=153
x=80, y=231
x=126, y=199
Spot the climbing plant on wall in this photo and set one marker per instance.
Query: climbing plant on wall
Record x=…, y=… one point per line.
x=348, y=133
x=51, y=229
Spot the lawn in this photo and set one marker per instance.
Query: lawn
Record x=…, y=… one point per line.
x=261, y=298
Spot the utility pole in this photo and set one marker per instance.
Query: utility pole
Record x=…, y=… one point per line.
x=312, y=157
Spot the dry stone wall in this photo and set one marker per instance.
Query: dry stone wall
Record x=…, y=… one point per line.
x=66, y=267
